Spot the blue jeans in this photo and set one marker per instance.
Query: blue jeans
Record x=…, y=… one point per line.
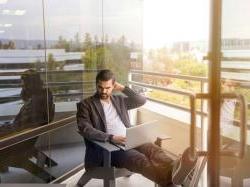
x=148, y=160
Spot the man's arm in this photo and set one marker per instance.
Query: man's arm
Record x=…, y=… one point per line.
x=133, y=99
x=85, y=125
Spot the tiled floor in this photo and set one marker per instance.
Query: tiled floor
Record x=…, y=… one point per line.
x=135, y=180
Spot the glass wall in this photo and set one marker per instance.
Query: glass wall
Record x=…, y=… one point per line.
x=175, y=40
x=25, y=101
x=235, y=48
x=50, y=52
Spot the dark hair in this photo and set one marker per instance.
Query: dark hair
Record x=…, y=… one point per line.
x=33, y=83
x=105, y=75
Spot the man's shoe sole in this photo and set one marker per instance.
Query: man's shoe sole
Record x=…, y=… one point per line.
x=183, y=168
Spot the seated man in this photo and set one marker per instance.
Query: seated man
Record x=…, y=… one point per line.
x=104, y=117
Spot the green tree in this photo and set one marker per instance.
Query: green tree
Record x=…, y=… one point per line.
x=114, y=56
x=161, y=60
x=77, y=42
x=38, y=65
x=96, y=40
x=190, y=66
x=121, y=41
x=51, y=65
x=62, y=44
x=87, y=44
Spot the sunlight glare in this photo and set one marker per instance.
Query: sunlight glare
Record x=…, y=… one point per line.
x=167, y=21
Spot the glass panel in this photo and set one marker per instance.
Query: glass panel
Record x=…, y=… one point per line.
x=175, y=42
x=71, y=27
x=122, y=32
x=24, y=99
x=235, y=74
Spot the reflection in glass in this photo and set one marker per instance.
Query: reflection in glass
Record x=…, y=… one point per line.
x=36, y=111
x=80, y=37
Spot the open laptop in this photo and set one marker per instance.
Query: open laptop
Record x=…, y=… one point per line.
x=143, y=133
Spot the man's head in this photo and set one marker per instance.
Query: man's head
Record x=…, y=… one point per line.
x=105, y=80
x=31, y=84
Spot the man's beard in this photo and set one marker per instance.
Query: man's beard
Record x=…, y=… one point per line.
x=103, y=96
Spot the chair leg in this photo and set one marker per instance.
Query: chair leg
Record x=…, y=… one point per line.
x=37, y=171
x=85, y=178
x=43, y=159
x=108, y=183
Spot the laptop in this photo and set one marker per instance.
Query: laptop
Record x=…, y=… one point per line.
x=140, y=134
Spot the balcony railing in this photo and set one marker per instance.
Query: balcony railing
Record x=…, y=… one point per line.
x=201, y=80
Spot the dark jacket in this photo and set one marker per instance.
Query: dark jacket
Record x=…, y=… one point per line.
x=33, y=113
x=92, y=123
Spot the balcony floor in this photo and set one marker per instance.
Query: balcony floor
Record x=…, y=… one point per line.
x=134, y=181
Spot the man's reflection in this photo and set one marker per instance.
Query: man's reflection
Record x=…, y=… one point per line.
x=37, y=110
x=38, y=107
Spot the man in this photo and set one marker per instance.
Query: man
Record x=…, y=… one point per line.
x=104, y=117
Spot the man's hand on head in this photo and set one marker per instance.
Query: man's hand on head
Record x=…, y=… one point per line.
x=119, y=139
x=118, y=87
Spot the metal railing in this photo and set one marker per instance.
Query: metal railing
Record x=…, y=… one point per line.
x=23, y=136
x=192, y=109
x=202, y=82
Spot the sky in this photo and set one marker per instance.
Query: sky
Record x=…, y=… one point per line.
x=153, y=23
x=179, y=20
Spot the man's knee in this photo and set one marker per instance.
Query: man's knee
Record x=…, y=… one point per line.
x=130, y=159
x=147, y=147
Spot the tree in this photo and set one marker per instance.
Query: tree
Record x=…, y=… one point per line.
x=161, y=60
x=106, y=39
x=87, y=44
x=95, y=57
x=114, y=56
x=51, y=62
x=121, y=41
x=77, y=42
x=96, y=40
x=191, y=67
x=62, y=44
x=38, y=65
